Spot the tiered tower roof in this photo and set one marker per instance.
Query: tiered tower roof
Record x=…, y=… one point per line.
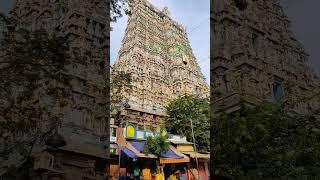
x=156, y=50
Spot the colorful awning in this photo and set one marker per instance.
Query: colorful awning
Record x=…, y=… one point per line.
x=137, y=147
x=129, y=153
x=171, y=154
x=169, y=159
x=197, y=155
x=185, y=147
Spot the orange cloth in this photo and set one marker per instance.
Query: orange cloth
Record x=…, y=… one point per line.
x=146, y=174
x=114, y=170
x=188, y=174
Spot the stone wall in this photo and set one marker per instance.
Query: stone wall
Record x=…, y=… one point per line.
x=257, y=58
x=82, y=108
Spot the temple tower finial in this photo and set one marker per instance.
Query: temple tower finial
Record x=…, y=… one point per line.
x=166, y=11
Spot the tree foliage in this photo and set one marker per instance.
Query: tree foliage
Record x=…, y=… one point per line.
x=156, y=145
x=265, y=142
x=120, y=85
x=180, y=113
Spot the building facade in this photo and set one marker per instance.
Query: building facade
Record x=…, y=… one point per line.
x=82, y=109
x=180, y=155
x=257, y=58
x=156, y=51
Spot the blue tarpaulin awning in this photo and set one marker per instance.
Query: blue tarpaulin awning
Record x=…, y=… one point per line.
x=171, y=154
x=139, y=145
x=129, y=153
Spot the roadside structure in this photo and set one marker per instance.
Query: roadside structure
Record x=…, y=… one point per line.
x=179, y=159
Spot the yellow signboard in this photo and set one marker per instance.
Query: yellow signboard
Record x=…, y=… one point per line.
x=185, y=148
x=130, y=131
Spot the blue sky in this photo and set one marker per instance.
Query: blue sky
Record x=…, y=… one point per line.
x=194, y=15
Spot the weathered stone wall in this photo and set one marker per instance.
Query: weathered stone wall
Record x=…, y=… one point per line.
x=83, y=23
x=147, y=120
x=82, y=107
x=256, y=57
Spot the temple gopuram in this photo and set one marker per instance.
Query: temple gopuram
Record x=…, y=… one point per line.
x=81, y=109
x=156, y=51
x=257, y=58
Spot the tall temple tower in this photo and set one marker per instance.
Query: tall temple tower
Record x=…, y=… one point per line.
x=257, y=58
x=156, y=50
x=83, y=108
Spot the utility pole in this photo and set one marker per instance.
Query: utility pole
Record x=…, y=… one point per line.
x=195, y=148
x=120, y=147
x=125, y=105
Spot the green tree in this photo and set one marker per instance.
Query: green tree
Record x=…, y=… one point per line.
x=156, y=145
x=180, y=113
x=265, y=142
x=120, y=85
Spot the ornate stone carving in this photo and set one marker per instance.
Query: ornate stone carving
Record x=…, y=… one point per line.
x=155, y=49
x=165, y=58
x=263, y=50
x=84, y=108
